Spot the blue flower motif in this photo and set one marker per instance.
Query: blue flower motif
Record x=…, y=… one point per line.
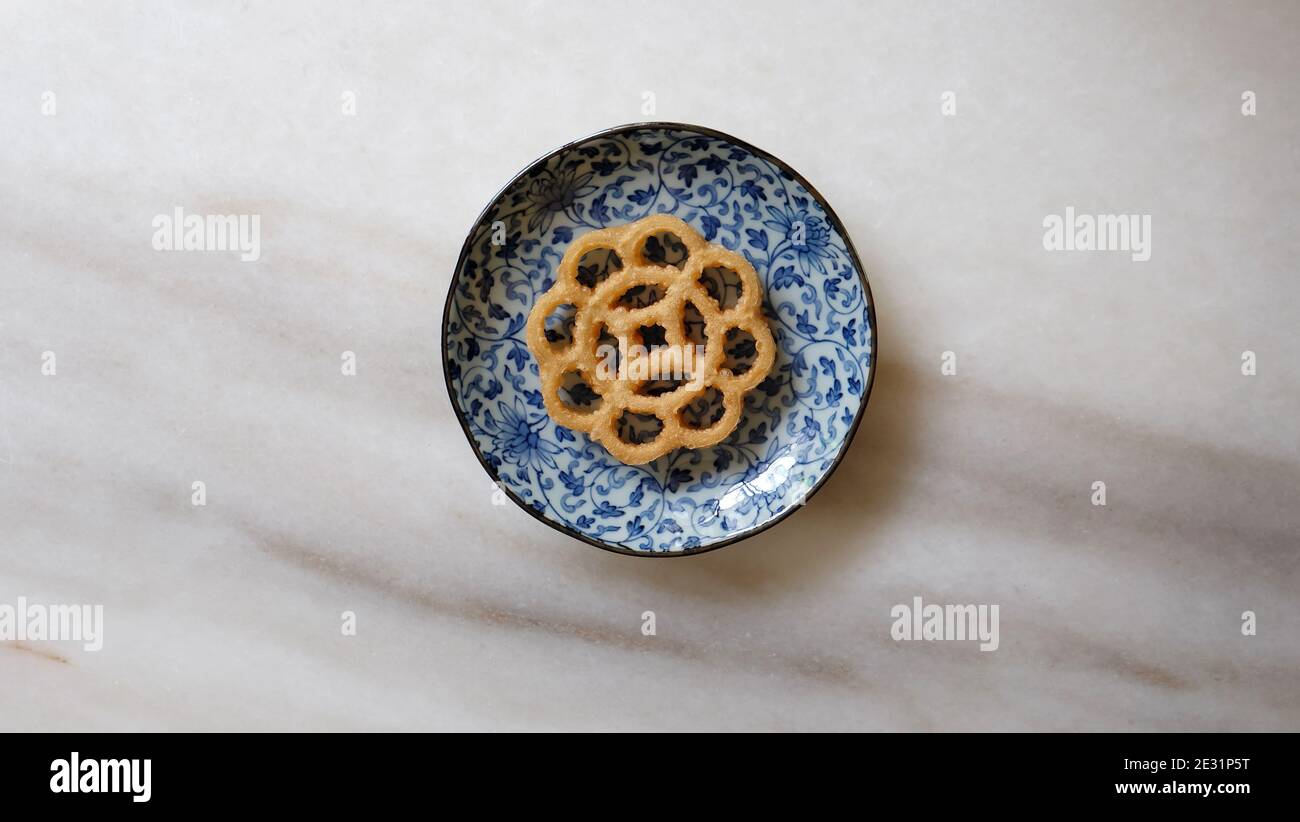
x=554, y=192
x=808, y=235
x=517, y=437
x=764, y=483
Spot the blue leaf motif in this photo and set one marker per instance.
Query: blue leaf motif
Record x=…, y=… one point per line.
x=518, y=356
x=785, y=277
x=606, y=511
x=804, y=326
x=757, y=238
x=752, y=190
x=599, y=211
x=834, y=395
x=849, y=332
x=811, y=428
x=678, y=477
x=710, y=225
x=576, y=485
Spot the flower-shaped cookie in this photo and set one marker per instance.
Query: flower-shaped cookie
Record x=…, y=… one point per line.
x=631, y=357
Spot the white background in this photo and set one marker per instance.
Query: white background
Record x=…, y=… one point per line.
x=329, y=493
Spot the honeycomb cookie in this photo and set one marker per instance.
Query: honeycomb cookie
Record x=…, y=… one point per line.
x=633, y=348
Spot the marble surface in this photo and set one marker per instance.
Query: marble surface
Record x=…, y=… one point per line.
x=329, y=493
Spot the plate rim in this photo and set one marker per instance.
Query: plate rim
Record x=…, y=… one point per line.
x=835, y=221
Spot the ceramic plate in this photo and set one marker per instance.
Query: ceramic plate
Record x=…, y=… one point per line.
x=797, y=423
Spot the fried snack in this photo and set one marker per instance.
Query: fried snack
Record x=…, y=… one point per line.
x=597, y=309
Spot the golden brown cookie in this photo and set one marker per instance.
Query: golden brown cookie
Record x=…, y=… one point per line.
x=598, y=310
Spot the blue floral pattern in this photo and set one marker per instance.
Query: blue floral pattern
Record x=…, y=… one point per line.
x=796, y=422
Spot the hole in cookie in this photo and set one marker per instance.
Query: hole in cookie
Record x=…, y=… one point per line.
x=639, y=296
x=559, y=325
x=657, y=388
x=596, y=265
x=723, y=285
x=577, y=394
x=740, y=350
x=608, y=357
x=664, y=248
x=693, y=325
x=704, y=411
x=637, y=429
x=652, y=335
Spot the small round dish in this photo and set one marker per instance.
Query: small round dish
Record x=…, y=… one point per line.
x=797, y=423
